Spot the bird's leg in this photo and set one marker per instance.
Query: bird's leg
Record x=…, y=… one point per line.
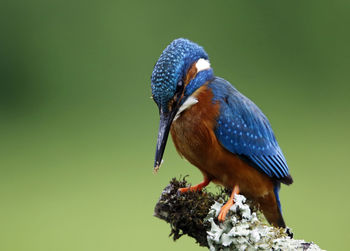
x=198, y=187
x=225, y=208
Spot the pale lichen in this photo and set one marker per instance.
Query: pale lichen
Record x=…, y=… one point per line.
x=242, y=230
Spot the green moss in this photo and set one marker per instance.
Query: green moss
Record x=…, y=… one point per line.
x=186, y=212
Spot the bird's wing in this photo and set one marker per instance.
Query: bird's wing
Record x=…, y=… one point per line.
x=244, y=130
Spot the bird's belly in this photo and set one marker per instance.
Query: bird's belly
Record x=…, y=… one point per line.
x=192, y=141
x=194, y=138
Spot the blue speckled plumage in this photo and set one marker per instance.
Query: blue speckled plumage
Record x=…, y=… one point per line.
x=171, y=66
x=200, y=79
x=244, y=130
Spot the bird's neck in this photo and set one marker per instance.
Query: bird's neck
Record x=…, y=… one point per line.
x=200, y=79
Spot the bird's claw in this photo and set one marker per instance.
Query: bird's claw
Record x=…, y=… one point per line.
x=224, y=210
x=184, y=190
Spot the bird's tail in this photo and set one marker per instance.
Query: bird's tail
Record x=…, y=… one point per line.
x=271, y=207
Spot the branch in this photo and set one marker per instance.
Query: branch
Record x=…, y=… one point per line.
x=195, y=214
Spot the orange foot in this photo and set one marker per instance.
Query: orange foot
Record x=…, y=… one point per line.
x=224, y=210
x=198, y=187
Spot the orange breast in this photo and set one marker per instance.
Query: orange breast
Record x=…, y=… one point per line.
x=194, y=138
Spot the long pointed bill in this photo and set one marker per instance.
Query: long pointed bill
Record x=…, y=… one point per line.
x=163, y=132
x=166, y=118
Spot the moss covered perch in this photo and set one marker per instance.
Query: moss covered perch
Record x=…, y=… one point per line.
x=195, y=214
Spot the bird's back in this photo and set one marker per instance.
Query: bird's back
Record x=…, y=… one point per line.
x=244, y=130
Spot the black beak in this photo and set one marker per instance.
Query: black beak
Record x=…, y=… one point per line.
x=166, y=118
x=163, y=132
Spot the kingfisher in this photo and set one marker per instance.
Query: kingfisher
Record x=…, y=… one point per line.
x=217, y=129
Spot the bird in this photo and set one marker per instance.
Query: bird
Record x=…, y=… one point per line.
x=217, y=129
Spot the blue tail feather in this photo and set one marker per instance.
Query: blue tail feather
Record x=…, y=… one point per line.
x=276, y=190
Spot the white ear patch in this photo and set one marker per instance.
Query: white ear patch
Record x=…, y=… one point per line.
x=188, y=103
x=202, y=64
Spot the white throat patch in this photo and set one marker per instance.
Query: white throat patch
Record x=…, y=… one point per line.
x=188, y=103
x=202, y=64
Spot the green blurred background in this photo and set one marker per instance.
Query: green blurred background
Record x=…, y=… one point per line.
x=78, y=129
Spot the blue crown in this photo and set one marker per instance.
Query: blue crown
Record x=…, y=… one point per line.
x=171, y=67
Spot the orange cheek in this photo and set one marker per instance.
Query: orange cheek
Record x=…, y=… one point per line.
x=191, y=73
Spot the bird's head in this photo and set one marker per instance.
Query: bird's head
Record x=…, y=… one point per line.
x=181, y=69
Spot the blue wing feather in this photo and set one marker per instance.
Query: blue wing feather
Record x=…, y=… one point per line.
x=244, y=130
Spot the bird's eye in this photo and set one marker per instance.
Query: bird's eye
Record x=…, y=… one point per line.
x=179, y=89
x=180, y=86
